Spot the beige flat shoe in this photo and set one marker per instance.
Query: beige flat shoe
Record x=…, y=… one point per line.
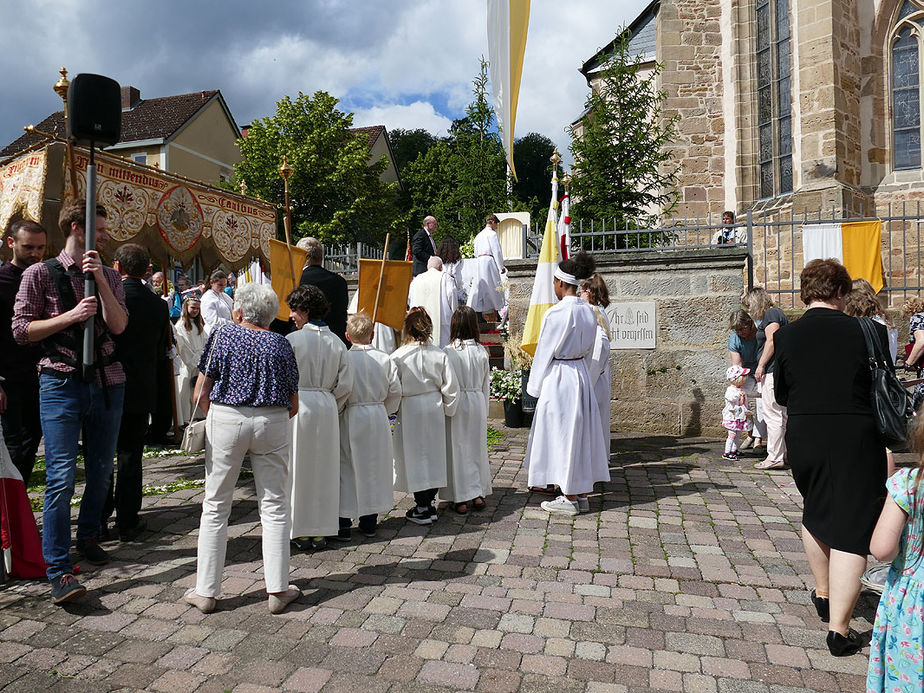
x=205, y=604
x=278, y=602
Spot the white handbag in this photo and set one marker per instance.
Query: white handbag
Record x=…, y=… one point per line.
x=194, y=435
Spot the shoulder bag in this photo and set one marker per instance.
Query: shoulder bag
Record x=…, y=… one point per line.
x=891, y=402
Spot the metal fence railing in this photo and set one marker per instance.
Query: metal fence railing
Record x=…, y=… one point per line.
x=344, y=259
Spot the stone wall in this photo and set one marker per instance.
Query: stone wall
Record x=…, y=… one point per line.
x=676, y=388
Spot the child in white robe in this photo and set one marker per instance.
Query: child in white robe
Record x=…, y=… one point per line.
x=468, y=473
x=366, y=452
x=429, y=393
x=324, y=383
x=566, y=445
x=594, y=291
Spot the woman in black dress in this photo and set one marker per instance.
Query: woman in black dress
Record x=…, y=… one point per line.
x=837, y=459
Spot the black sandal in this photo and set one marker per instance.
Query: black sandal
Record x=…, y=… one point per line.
x=478, y=503
x=461, y=508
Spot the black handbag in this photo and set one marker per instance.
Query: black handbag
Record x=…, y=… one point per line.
x=891, y=401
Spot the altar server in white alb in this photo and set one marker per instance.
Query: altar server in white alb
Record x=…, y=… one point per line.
x=468, y=473
x=487, y=292
x=366, y=452
x=566, y=444
x=383, y=337
x=429, y=393
x=324, y=384
x=435, y=291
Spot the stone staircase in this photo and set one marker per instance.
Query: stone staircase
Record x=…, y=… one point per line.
x=493, y=340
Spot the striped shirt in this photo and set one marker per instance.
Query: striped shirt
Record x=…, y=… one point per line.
x=38, y=299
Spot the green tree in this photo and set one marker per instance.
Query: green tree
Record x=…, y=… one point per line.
x=407, y=145
x=462, y=178
x=533, y=186
x=335, y=193
x=623, y=168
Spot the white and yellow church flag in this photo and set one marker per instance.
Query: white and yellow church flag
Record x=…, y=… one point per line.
x=543, y=296
x=855, y=244
x=508, y=21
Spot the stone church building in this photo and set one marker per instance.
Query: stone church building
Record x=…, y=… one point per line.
x=788, y=103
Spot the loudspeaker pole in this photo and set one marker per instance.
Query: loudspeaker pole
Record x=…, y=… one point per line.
x=89, y=283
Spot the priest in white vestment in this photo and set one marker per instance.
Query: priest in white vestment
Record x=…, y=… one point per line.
x=366, y=452
x=429, y=393
x=468, y=474
x=566, y=445
x=435, y=291
x=324, y=384
x=487, y=292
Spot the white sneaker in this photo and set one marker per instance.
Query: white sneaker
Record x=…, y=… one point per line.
x=561, y=505
x=583, y=504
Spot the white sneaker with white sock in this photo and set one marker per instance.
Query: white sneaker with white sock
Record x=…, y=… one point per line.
x=561, y=505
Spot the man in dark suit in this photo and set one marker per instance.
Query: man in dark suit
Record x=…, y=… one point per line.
x=331, y=284
x=423, y=246
x=142, y=349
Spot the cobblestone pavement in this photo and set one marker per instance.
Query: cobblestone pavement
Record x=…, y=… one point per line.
x=687, y=574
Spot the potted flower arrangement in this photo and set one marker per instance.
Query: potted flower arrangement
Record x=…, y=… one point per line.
x=506, y=387
x=521, y=361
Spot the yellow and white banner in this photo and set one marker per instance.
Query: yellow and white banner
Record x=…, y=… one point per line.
x=543, y=296
x=508, y=21
x=856, y=245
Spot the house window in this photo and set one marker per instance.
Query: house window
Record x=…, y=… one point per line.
x=774, y=97
x=140, y=158
x=906, y=87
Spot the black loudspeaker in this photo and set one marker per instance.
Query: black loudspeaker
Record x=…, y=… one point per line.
x=94, y=110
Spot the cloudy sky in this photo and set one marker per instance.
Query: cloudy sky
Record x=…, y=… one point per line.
x=400, y=63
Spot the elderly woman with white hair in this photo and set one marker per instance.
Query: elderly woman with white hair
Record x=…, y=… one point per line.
x=248, y=388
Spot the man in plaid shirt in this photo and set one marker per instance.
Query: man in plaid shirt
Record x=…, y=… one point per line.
x=50, y=309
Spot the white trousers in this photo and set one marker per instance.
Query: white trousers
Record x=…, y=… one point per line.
x=231, y=432
x=759, y=430
x=775, y=419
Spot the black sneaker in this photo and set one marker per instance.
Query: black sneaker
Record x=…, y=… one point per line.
x=343, y=534
x=65, y=588
x=420, y=518
x=91, y=550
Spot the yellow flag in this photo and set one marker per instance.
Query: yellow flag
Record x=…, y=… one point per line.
x=284, y=280
x=862, y=242
x=395, y=284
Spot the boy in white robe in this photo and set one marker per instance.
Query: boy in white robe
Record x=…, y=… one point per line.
x=429, y=393
x=324, y=384
x=487, y=292
x=366, y=453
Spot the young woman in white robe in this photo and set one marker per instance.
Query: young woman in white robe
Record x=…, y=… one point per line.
x=595, y=292
x=366, y=452
x=190, y=333
x=324, y=384
x=429, y=393
x=566, y=445
x=468, y=474
x=487, y=292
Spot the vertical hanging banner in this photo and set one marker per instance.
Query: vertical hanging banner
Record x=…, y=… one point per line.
x=508, y=21
x=855, y=244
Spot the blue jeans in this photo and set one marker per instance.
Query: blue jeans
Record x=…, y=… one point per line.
x=67, y=406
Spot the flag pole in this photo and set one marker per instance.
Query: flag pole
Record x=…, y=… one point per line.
x=378, y=292
x=286, y=172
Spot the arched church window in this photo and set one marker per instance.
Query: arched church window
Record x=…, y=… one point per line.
x=774, y=97
x=906, y=86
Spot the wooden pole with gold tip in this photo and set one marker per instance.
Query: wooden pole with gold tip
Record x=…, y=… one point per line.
x=61, y=87
x=286, y=172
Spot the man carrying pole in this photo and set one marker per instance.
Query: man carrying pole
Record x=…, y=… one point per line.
x=51, y=309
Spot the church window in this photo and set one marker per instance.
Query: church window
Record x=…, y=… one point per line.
x=906, y=87
x=774, y=97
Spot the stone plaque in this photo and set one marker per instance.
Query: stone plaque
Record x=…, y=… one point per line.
x=632, y=325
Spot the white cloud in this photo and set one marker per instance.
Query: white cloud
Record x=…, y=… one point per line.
x=419, y=114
